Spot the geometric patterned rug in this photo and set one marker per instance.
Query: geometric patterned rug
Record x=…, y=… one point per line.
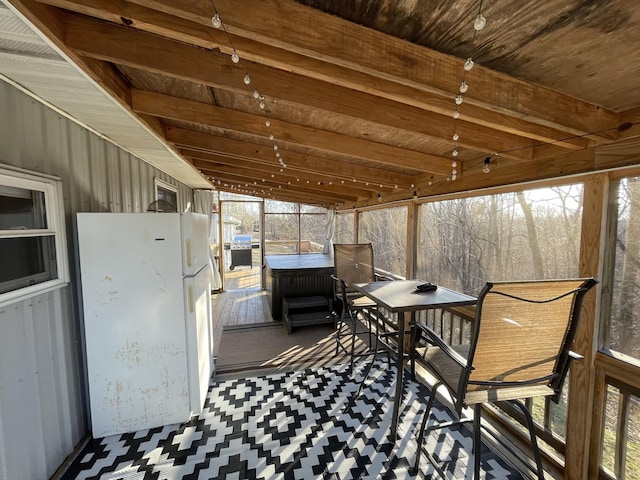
x=290, y=425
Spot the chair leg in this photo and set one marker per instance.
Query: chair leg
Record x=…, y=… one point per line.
x=354, y=327
x=476, y=441
x=340, y=325
x=423, y=425
x=532, y=435
x=365, y=375
x=412, y=363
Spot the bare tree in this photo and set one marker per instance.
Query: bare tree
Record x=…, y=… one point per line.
x=538, y=267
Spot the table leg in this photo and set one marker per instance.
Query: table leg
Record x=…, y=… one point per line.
x=403, y=321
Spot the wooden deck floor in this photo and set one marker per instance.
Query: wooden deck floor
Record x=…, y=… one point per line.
x=238, y=307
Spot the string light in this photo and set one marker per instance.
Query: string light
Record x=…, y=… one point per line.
x=218, y=23
x=468, y=65
x=478, y=24
x=487, y=162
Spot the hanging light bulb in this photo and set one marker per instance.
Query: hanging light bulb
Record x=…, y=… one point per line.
x=256, y=94
x=468, y=65
x=454, y=153
x=454, y=164
x=215, y=20
x=454, y=172
x=487, y=162
x=275, y=147
x=262, y=104
x=459, y=100
x=267, y=122
x=247, y=79
x=234, y=57
x=480, y=22
x=464, y=87
x=379, y=197
x=455, y=137
x=453, y=177
x=456, y=114
x=415, y=195
x=271, y=137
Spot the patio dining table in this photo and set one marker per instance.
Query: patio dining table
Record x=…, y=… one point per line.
x=401, y=298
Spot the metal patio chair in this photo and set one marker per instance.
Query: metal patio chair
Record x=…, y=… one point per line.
x=353, y=263
x=519, y=348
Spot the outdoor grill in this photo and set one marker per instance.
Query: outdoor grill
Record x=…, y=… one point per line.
x=240, y=251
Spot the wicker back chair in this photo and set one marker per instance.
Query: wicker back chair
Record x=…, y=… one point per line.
x=519, y=348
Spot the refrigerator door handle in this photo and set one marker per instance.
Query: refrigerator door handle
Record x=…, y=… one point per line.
x=191, y=305
x=188, y=252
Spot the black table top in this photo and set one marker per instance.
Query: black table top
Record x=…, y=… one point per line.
x=401, y=296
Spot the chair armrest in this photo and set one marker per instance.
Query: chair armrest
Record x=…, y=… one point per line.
x=575, y=356
x=433, y=338
x=564, y=370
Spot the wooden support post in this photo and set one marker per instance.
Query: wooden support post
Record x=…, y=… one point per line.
x=583, y=373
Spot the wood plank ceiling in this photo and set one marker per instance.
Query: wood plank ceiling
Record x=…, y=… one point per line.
x=360, y=95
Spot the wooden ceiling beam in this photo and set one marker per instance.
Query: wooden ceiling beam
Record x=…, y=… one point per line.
x=257, y=178
x=305, y=163
x=169, y=107
x=277, y=191
x=259, y=171
x=176, y=28
x=120, y=45
x=284, y=24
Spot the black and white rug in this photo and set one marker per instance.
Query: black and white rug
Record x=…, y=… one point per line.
x=289, y=426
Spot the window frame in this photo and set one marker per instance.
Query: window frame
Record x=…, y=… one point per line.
x=51, y=188
x=159, y=184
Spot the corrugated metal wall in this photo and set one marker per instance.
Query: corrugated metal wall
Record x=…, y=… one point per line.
x=43, y=411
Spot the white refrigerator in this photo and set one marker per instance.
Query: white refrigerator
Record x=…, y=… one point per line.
x=146, y=297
